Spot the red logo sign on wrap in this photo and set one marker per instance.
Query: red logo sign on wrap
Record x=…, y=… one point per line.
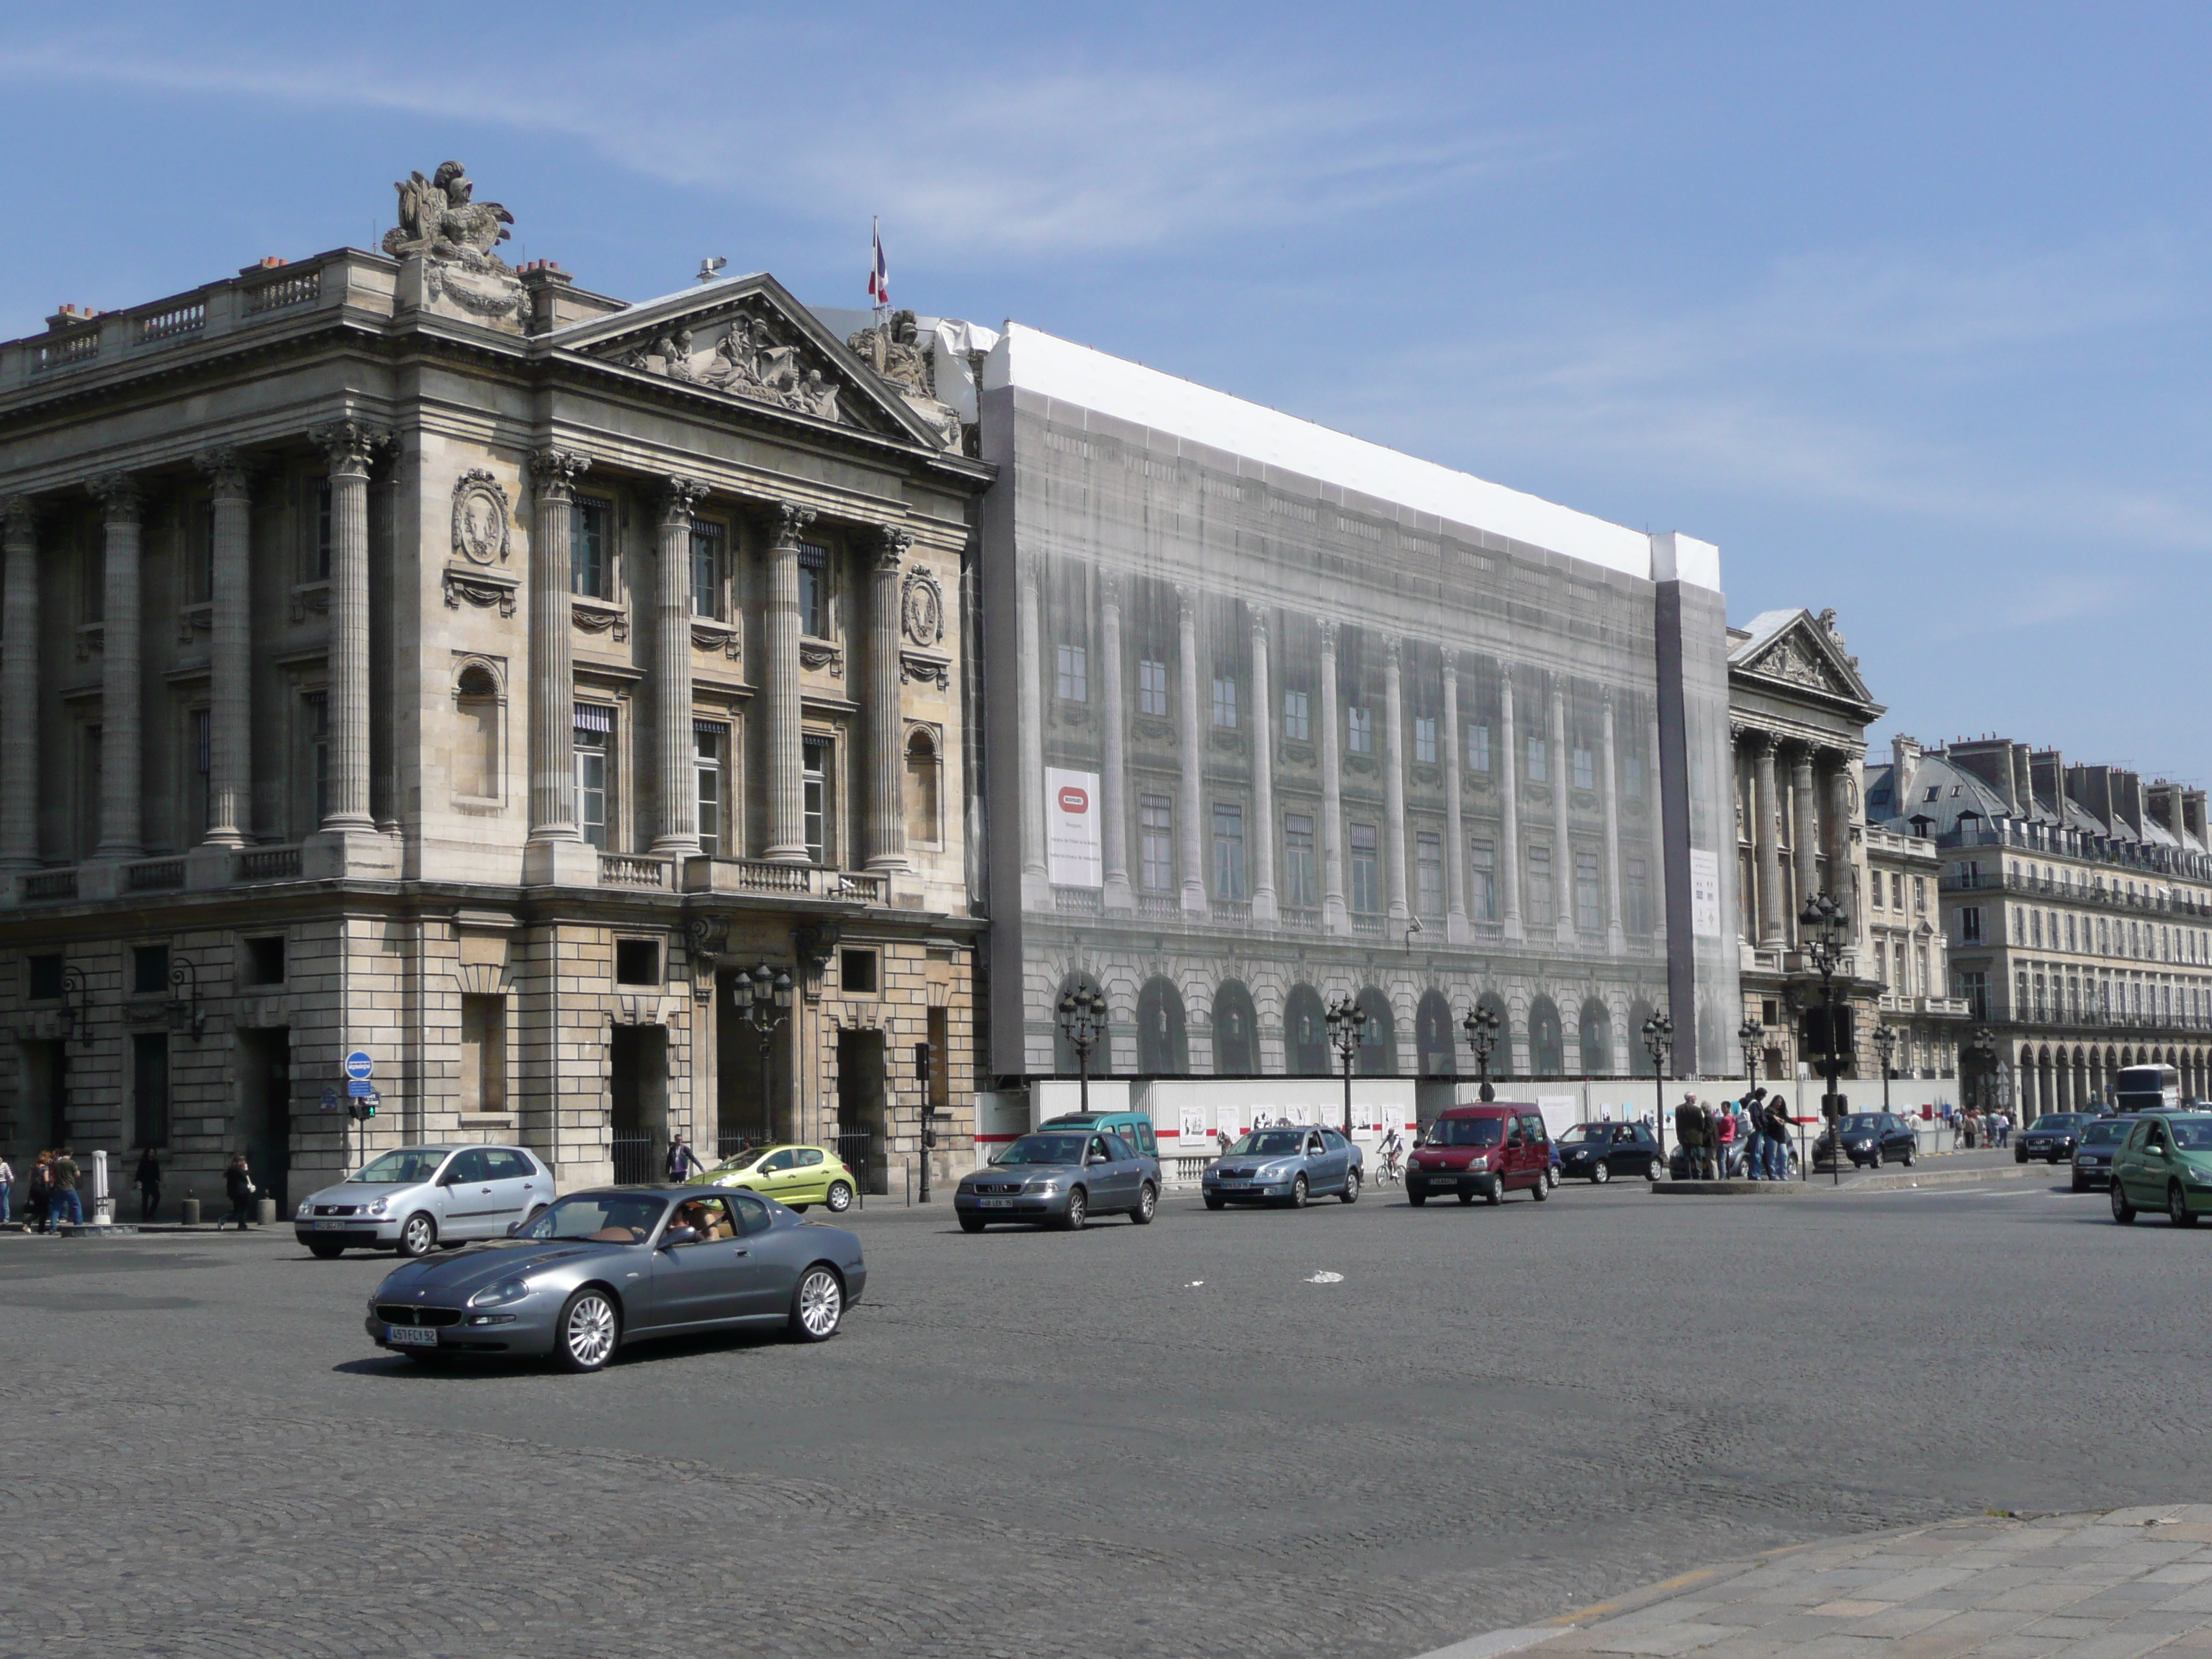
x=1073, y=857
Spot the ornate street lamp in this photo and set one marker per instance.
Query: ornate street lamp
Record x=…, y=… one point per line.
x=1886, y=1039
x=1082, y=1015
x=763, y=1002
x=1984, y=1048
x=1347, y=1029
x=1481, y=1026
x=1659, y=1043
x=1752, y=1036
x=1822, y=928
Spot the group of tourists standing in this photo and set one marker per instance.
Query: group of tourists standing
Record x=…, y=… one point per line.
x=51, y=1200
x=1747, y=1138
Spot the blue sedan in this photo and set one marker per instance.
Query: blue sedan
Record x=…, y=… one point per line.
x=1284, y=1166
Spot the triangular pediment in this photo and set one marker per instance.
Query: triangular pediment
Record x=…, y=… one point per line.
x=1806, y=651
x=747, y=337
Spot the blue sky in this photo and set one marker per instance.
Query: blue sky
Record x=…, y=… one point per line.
x=1904, y=306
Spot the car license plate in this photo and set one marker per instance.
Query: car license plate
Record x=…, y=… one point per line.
x=330, y=1226
x=996, y=1203
x=410, y=1336
x=1226, y=1181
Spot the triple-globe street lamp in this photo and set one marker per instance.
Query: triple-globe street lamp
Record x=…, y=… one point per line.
x=1481, y=1026
x=1886, y=1039
x=1823, y=927
x=1659, y=1043
x=1082, y=1016
x=763, y=1002
x=1347, y=1029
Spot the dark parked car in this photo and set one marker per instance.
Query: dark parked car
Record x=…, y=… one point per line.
x=1598, y=1151
x=1870, y=1140
x=2051, y=1137
x=1481, y=1150
x=2092, y=1155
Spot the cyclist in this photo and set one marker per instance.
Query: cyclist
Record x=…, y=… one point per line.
x=1393, y=1150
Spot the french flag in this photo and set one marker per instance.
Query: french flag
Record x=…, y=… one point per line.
x=879, y=274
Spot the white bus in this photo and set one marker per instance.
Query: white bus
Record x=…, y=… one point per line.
x=2146, y=1088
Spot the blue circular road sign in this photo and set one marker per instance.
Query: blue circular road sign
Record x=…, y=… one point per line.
x=358, y=1066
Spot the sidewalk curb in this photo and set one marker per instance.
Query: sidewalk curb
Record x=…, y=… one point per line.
x=1904, y=1181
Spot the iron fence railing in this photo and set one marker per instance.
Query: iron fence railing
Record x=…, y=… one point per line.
x=634, y=1159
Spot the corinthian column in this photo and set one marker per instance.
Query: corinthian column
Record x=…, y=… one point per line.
x=1616, y=941
x=1028, y=710
x=886, y=720
x=677, y=748
x=1394, y=779
x=121, y=711
x=19, y=687
x=787, y=760
x=1114, y=781
x=1456, y=928
x=1334, y=918
x=552, y=671
x=1193, y=779
x=1263, y=778
x=349, y=444
x=1765, y=843
x=1563, y=851
x=1509, y=812
x=1839, y=841
x=1805, y=825
x=230, y=655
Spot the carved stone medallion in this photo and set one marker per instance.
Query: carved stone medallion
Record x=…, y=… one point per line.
x=481, y=518
x=922, y=607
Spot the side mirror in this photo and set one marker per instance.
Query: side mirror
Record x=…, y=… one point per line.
x=679, y=1236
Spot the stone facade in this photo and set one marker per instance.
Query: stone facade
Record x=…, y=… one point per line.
x=404, y=652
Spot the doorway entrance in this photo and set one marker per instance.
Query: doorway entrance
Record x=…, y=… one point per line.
x=637, y=1081
x=745, y=1101
x=862, y=1132
x=45, y=1095
x=264, y=1110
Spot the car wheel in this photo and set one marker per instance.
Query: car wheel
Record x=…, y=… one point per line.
x=585, y=1336
x=818, y=1306
x=1416, y=1199
x=2122, y=1212
x=1601, y=1172
x=1147, y=1201
x=971, y=1223
x=839, y=1198
x=1906, y=1160
x=1651, y=1171
x=2019, y=1154
x=324, y=1251
x=1497, y=1193
x=2177, y=1208
x=1540, y=1191
x=1299, y=1191
x=1351, y=1194
x=1078, y=1210
x=1550, y=1179
x=419, y=1236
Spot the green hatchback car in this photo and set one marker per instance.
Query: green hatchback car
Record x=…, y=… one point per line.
x=2165, y=1163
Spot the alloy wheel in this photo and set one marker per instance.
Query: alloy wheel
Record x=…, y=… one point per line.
x=819, y=1306
x=1602, y=1172
x=2177, y=1208
x=1352, y=1187
x=587, y=1331
x=839, y=1199
x=419, y=1236
x=1299, y=1193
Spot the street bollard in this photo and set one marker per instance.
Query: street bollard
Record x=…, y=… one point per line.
x=103, y=1200
x=188, y=1213
x=265, y=1211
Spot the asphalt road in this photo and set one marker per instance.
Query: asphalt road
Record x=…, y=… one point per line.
x=1135, y=1441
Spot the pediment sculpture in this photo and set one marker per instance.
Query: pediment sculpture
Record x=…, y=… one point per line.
x=453, y=236
x=744, y=355
x=1788, y=660
x=894, y=351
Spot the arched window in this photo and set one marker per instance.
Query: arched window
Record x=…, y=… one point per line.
x=1546, y=1052
x=1063, y=1051
x=1305, y=1033
x=476, y=739
x=1596, y=1039
x=1161, y=1050
x=1236, y=1031
x=1378, y=1038
x=1435, y=1039
x=922, y=827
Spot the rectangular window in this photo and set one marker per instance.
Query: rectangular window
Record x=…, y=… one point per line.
x=856, y=972
x=319, y=565
x=1155, y=838
x=1536, y=760
x=1876, y=900
x=1896, y=891
x=594, y=725
x=197, y=772
x=1588, y=899
x=2020, y=1008
x=44, y=975
x=1225, y=702
x=199, y=552
x=814, y=590
x=2035, y=928
x=149, y=969
x=1920, y=896
x=1366, y=896
x=1297, y=723
x=88, y=769
x=1631, y=771
x=1483, y=901
x=637, y=961
x=317, y=710
x=1429, y=875
x=2069, y=931
x=591, y=548
x=712, y=740
x=264, y=960
x=1974, y=987
x=1359, y=731
x=710, y=544
x=1636, y=890
x=1299, y=886
x=1478, y=747
x=1228, y=851
x=1152, y=687
x=150, y=1089
x=1072, y=676
x=1425, y=739
x=815, y=784
x=92, y=580
x=483, y=1054
x=1585, y=769
x=1541, y=891
x=1970, y=925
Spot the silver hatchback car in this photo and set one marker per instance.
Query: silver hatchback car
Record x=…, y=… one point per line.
x=415, y=1198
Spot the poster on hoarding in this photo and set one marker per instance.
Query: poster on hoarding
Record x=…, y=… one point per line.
x=1705, y=893
x=1193, y=1129
x=1072, y=840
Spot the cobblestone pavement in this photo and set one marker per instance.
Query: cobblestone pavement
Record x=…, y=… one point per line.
x=1148, y=1441
x=2116, y=1585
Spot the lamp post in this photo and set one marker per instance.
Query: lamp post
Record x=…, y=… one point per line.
x=1984, y=1048
x=1481, y=1028
x=1822, y=927
x=1347, y=1025
x=1659, y=1043
x=1885, y=1042
x=1752, y=1036
x=764, y=1001
x=1082, y=1015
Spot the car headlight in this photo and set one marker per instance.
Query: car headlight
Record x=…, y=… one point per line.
x=1047, y=1188
x=496, y=1296
x=377, y=1207
x=2201, y=1178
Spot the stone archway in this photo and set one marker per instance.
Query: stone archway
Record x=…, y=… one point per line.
x=1235, y=1030
x=1305, y=1033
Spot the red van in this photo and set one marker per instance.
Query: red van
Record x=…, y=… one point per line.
x=1486, y=1149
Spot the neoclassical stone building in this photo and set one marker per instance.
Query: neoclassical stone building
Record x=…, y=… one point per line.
x=404, y=653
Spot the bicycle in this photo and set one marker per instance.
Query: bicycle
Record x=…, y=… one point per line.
x=1390, y=1164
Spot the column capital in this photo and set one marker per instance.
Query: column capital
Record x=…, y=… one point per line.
x=1394, y=651
x=19, y=517
x=349, y=443
x=1328, y=627
x=891, y=545
x=119, y=494
x=1757, y=739
x=680, y=498
x=1260, y=623
x=229, y=472
x=1450, y=655
x=1186, y=601
x=1109, y=588
x=790, y=519
x=557, y=470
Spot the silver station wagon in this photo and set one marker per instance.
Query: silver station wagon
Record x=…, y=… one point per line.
x=417, y=1198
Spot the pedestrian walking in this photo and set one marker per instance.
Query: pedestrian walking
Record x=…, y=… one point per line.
x=40, y=1200
x=682, y=1162
x=238, y=1188
x=66, y=1208
x=7, y=1191
x=149, y=1183
x=1776, y=1128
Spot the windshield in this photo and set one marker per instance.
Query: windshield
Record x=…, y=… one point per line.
x=742, y=1161
x=401, y=1168
x=2106, y=1131
x=1268, y=1143
x=2058, y=1123
x=1044, y=1149
x=1599, y=1134
x=1861, y=1123
x=2192, y=1134
x=1466, y=1132
x=598, y=1219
